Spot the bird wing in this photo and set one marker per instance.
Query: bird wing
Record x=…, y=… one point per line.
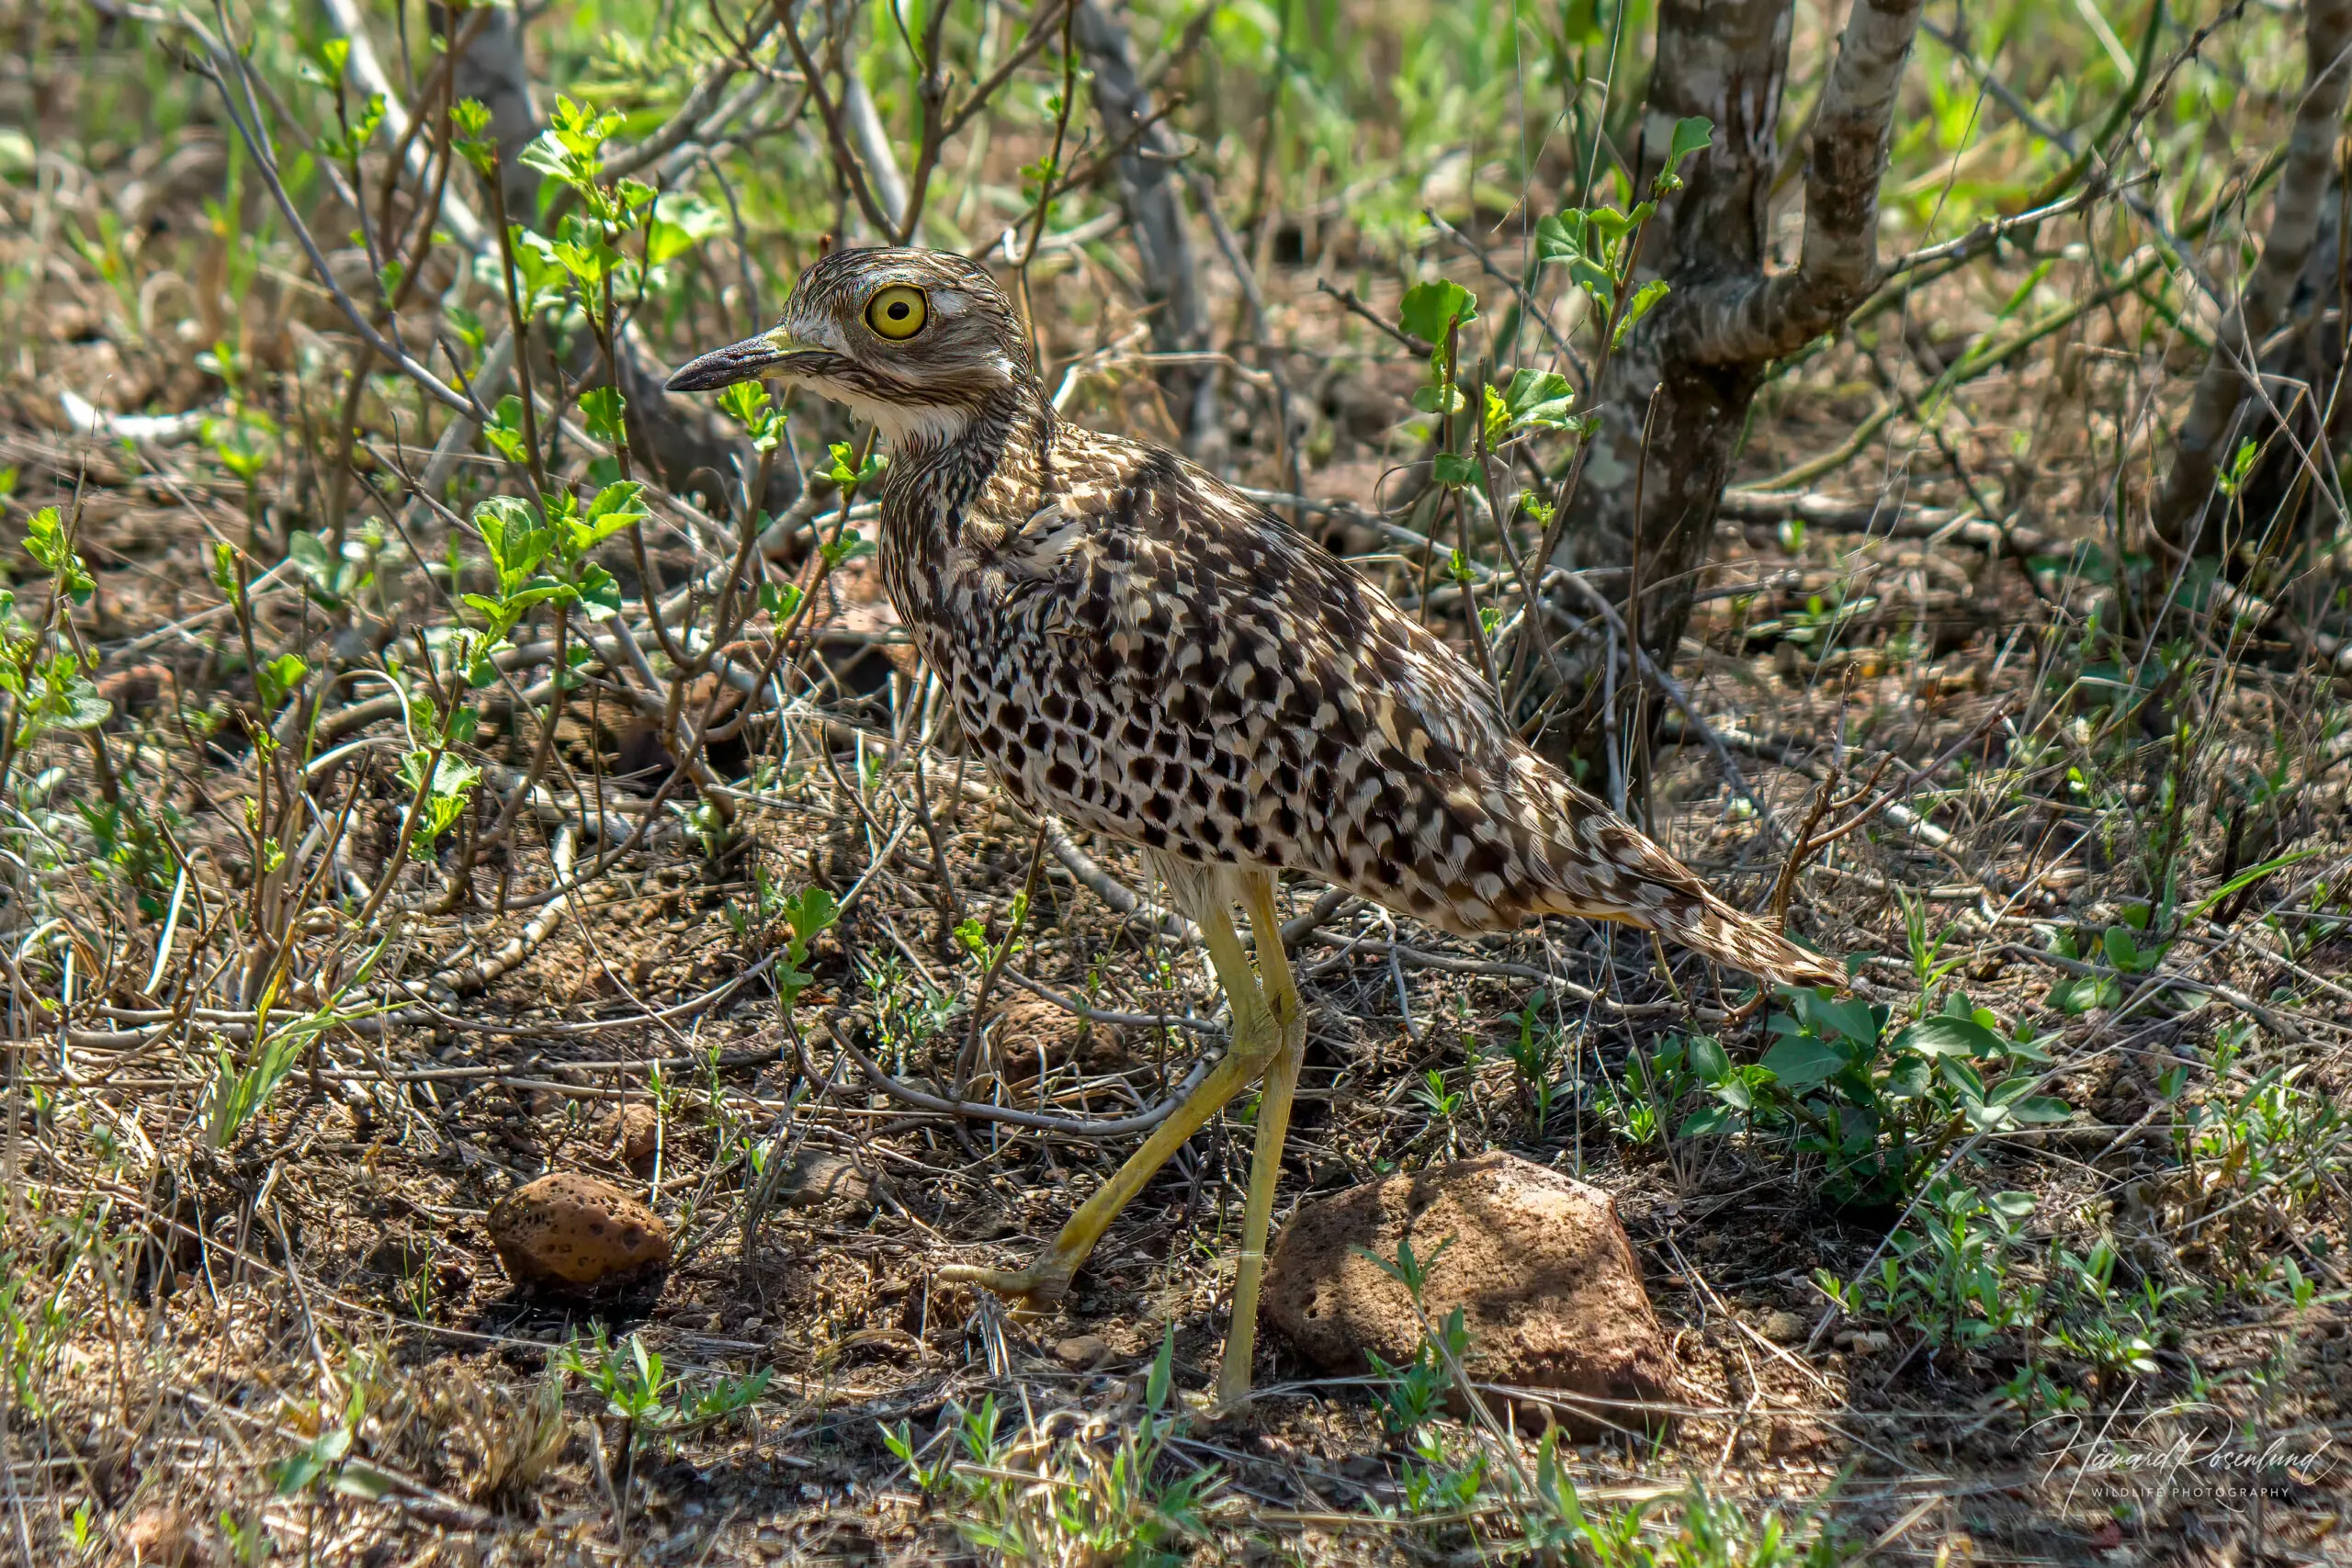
x=1221, y=612
x=1201, y=678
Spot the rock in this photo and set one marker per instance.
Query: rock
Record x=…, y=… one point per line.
x=1784, y=1327
x=136, y=690
x=400, y=1254
x=632, y=1132
x=818, y=1179
x=1547, y=1282
x=160, y=1538
x=1029, y=1031
x=571, y=1233
x=1082, y=1352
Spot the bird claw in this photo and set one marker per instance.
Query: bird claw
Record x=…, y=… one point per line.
x=1034, y=1289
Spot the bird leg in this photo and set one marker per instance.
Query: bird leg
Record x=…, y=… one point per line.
x=1257, y=1041
x=1274, y=1126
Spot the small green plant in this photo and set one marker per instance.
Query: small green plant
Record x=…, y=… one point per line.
x=647, y=1401
x=1534, y=1059
x=934, y=1477
x=973, y=934
x=2037, y=1394
x=81, y=1531
x=807, y=916
x=32, y=1328
x=1078, y=1504
x=250, y=1543
x=1439, y=1100
x=1879, y=1109
x=1951, y=1272
x=240, y=1090
x=416, y=1283
x=326, y=1461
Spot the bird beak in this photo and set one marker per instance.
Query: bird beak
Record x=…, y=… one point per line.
x=745, y=361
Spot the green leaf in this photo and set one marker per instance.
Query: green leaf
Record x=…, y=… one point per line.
x=280, y=677
x=780, y=599
x=359, y=1479
x=1692, y=135
x=1455, y=469
x=1538, y=400
x=2121, y=950
x=680, y=223
x=1908, y=1079
x=1561, y=238
x=313, y=559
x=1431, y=310
x=1846, y=1016
x=2245, y=878
x=616, y=505
x=845, y=469
x=1800, y=1062
x=1948, y=1036
x=1643, y=300
x=1708, y=1059
x=746, y=401
x=2233, y=479
x=601, y=409
x=1706, y=1122
x=600, y=595
x=46, y=542
x=1593, y=278
x=1163, y=1366
x=504, y=429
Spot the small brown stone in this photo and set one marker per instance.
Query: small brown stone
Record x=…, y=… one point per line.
x=569, y=1233
x=1029, y=1033
x=1548, y=1284
x=135, y=690
x=1082, y=1352
x=1784, y=1327
x=822, y=1181
x=160, y=1537
x=632, y=1133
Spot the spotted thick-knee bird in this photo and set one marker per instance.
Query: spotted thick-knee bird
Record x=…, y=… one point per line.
x=1136, y=647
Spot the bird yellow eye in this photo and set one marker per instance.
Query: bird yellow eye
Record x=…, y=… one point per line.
x=897, y=312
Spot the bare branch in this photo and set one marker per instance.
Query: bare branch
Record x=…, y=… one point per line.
x=873, y=139
x=831, y=113
x=220, y=58
x=1149, y=194
x=1749, y=320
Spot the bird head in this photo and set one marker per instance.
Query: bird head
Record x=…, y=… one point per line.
x=915, y=341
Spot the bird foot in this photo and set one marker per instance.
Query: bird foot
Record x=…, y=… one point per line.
x=1034, y=1289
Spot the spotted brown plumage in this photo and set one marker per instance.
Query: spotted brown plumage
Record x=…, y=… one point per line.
x=1138, y=649
x=1135, y=646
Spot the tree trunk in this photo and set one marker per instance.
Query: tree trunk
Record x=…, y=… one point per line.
x=1676, y=395
x=1151, y=196
x=2295, y=369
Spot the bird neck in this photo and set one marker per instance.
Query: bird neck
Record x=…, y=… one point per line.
x=945, y=466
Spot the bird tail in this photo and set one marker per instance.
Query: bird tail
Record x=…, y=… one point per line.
x=1599, y=866
x=1706, y=924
